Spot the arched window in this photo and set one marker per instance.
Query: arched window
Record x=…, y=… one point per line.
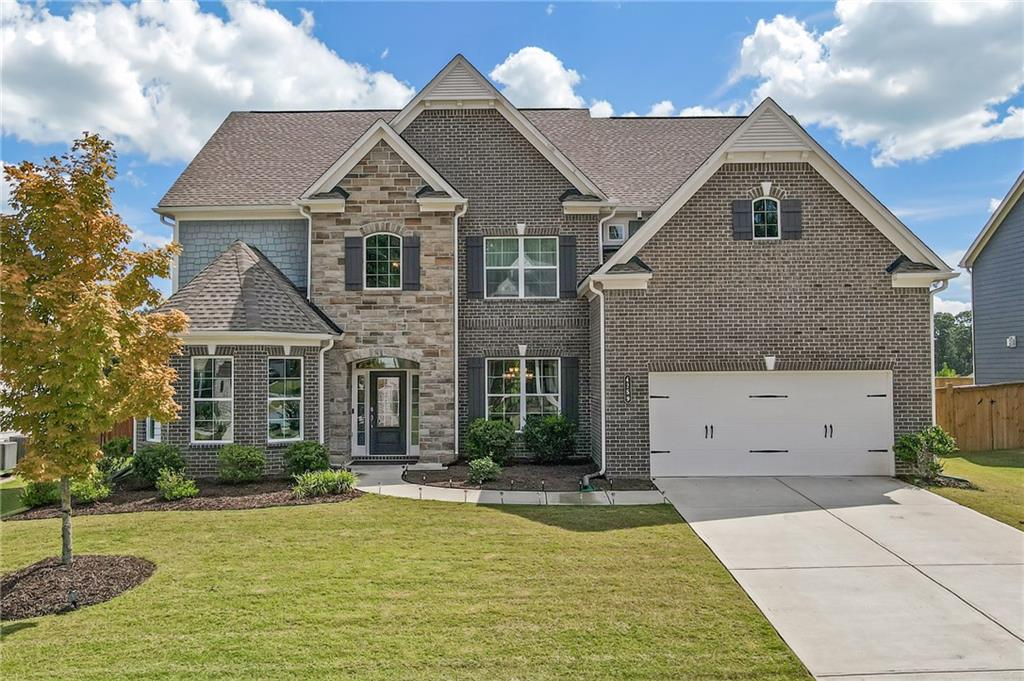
x=382, y=254
x=766, y=218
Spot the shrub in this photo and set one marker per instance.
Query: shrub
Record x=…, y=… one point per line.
x=939, y=442
x=550, y=438
x=173, y=485
x=40, y=494
x=83, y=491
x=238, y=464
x=152, y=459
x=912, y=448
x=117, y=458
x=323, y=483
x=483, y=470
x=490, y=440
x=306, y=456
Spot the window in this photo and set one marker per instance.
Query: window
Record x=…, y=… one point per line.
x=518, y=388
x=766, y=218
x=361, y=410
x=521, y=267
x=152, y=430
x=383, y=256
x=614, y=234
x=284, y=398
x=414, y=410
x=212, y=385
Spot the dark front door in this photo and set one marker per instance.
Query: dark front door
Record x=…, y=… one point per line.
x=387, y=413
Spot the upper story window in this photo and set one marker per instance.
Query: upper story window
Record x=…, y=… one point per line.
x=615, y=234
x=212, y=403
x=766, y=218
x=521, y=267
x=383, y=261
x=284, y=398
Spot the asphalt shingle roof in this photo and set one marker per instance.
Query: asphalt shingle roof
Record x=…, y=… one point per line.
x=241, y=290
x=905, y=264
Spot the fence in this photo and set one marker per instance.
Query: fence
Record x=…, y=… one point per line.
x=982, y=417
x=123, y=429
x=943, y=381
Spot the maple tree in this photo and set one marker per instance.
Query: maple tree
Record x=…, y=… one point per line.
x=79, y=352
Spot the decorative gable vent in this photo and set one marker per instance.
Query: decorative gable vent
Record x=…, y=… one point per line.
x=459, y=83
x=768, y=132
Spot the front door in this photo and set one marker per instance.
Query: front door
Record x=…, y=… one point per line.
x=387, y=413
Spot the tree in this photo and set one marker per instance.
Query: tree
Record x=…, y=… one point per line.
x=953, y=342
x=79, y=352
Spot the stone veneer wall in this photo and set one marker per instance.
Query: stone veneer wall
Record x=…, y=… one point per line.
x=282, y=241
x=824, y=300
x=507, y=181
x=417, y=325
x=249, y=406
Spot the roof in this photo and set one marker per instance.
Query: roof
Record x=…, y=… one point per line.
x=905, y=264
x=632, y=266
x=998, y=215
x=241, y=290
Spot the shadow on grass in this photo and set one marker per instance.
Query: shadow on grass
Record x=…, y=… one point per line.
x=14, y=627
x=595, y=518
x=997, y=458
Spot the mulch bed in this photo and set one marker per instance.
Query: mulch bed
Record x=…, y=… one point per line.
x=939, y=481
x=527, y=476
x=46, y=587
x=213, y=496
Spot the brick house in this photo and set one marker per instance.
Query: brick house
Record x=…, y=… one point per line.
x=703, y=296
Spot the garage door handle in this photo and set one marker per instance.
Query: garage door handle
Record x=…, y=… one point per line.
x=830, y=430
x=712, y=431
x=661, y=451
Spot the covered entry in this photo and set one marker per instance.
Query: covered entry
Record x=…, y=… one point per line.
x=385, y=415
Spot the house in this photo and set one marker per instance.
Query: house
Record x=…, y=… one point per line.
x=703, y=296
x=996, y=263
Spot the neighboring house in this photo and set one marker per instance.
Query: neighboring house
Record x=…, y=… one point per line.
x=376, y=280
x=996, y=263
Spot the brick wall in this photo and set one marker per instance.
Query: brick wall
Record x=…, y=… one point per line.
x=284, y=242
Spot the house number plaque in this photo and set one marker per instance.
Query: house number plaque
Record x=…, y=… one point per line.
x=628, y=389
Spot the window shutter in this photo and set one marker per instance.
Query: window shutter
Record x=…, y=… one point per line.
x=567, y=266
x=792, y=220
x=353, y=263
x=475, y=267
x=411, y=263
x=477, y=388
x=634, y=227
x=742, y=220
x=571, y=388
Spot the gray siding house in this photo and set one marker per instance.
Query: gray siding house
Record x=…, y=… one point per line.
x=996, y=263
x=702, y=296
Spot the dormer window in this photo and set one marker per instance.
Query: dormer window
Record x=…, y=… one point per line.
x=766, y=218
x=614, y=234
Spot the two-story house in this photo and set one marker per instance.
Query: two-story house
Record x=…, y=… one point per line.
x=704, y=296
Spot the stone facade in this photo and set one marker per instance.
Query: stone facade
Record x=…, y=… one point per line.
x=284, y=242
x=714, y=303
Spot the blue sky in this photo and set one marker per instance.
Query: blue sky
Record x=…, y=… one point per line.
x=935, y=137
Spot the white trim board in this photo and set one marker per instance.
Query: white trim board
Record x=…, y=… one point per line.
x=998, y=215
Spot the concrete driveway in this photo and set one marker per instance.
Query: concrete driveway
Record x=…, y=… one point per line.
x=868, y=577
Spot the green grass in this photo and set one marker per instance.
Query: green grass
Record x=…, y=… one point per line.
x=999, y=474
x=382, y=588
x=10, y=496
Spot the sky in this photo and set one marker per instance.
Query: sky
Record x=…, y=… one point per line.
x=921, y=102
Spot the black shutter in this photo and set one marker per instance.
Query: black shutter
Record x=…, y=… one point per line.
x=411, y=263
x=634, y=227
x=742, y=220
x=567, y=266
x=475, y=267
x=477, y=389
x=353, y=263
x=792, y=218
x=571, y=388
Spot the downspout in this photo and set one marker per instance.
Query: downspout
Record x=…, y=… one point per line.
x=455, y=321
x=323, y=351
x=309, y=250
x=174, y=238
x=931, y=326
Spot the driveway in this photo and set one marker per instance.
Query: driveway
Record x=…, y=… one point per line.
x=868, y=577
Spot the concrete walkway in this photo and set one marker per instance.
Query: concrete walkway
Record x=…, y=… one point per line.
x=868, y=578
x=387, y=480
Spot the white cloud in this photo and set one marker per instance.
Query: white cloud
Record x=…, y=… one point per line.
x=385, y=53
x=534, y=77
x=957, y=297
x=734, y=109
x=950, y=306
x=158, y=77
x=601, y=108
x=550, y=9
x=663, y=108
x=993, y=204
x=149, y=240
x=908, y=80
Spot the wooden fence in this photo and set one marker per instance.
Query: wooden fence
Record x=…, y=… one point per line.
x=943, y=381
x=123, y=429
x=982, y=417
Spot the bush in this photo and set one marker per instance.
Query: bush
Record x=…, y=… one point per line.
x=117, y=458
x=938, y=442
x=913, y=449
x=84, y=491
x=173, y=485
x=40, y=494
x=323, y=483
x=306, y=456
x=152, y=459
x=490, y=440
x=483, y=470
x=550, y=438
x=238, y=464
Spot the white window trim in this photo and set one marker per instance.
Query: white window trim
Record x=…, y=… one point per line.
x=301, y=398
x=522, y=385
x=155, y=427
x=401, y=265
x=521, y=268
x=193, y=399
x=778, y=212
x=608, y=241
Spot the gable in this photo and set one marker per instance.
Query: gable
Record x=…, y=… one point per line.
x=1010, y=204
x=769, y=132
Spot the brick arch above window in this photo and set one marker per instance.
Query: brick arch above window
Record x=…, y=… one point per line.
x=359, y=354
x=387, y=226
x=775, y=192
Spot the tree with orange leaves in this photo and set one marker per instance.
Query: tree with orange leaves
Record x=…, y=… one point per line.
x=78, y=351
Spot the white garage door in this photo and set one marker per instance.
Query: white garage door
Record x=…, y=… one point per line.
x=771, y=423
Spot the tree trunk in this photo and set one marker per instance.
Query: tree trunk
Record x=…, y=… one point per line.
x=65, y=520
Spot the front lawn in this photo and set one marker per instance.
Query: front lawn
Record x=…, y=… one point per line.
x=382, y=588
x=1000, y=477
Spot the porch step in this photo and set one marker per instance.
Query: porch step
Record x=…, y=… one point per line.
x=384, y=460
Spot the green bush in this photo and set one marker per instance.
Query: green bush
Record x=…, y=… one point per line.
x=483, y=470
x=913, y=449
x=117, y=458
x=40, y=494
x=306, y=456
x=238, y=463
x=490, y=440
x=90, y=490
x=938, y=442
x=152, y=459
x=84, y=491
x=173, y=485
x=323, y=483
x=551, y=438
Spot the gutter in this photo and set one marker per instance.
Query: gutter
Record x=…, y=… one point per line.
x=455, y=320
x=600, y=472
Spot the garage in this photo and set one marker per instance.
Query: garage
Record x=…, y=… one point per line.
x=771, y=423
